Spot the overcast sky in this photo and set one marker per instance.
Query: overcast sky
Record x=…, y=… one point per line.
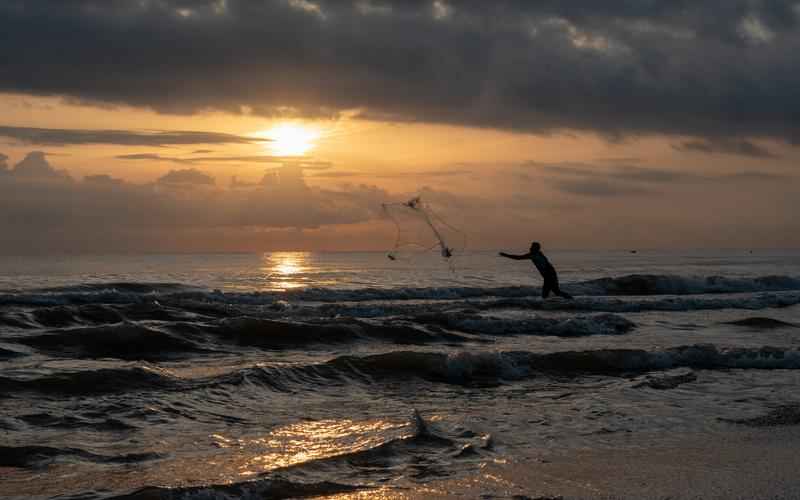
x=160, y=125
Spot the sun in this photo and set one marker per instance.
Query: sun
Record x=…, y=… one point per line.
x=289, y=139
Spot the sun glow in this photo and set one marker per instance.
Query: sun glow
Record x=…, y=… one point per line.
x=285, y=270
x=289, y=139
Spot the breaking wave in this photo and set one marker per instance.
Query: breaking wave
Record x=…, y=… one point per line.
x=578, y=326
x=93, y=382
x=263, y=488
x=151, y=341
x=422, y=452
x=635, y=284
x=9, y=354
x=762, y=300
x=122, y=340
x=658, y=284
x=460, y=367
x=464, y=367
x=38, y=456
x=760, y=323
x=275, y=334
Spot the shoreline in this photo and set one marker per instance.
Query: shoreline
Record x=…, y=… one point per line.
x=744, y=463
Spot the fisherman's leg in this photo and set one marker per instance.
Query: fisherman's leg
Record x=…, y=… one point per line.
x=545, y=290
x=557, y=291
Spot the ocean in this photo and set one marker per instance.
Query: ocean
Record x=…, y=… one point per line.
x=349, y=375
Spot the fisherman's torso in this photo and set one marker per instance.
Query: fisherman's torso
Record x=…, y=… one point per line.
x=543, y=265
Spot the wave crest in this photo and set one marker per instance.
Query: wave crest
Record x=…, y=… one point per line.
x=634, y=284
x=37, y=456
x=578, y=326
x=459, y=368
x=660, y=284
x=93, y=382
x=123, y=341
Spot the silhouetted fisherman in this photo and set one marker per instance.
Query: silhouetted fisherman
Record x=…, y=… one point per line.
x=545, y=268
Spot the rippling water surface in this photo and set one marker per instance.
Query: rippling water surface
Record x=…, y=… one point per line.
x=295, y=374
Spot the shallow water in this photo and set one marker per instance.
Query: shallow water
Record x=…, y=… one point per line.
x=295, y=374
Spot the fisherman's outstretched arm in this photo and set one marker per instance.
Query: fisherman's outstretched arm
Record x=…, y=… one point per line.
x=515, y=257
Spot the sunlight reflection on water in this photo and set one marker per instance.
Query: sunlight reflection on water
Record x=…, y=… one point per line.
x=286, y=270
x=276, y=271
x=305, y=441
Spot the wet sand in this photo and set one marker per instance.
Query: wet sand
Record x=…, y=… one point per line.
x=744, y=463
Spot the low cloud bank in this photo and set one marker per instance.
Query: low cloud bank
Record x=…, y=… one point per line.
x=42, y=205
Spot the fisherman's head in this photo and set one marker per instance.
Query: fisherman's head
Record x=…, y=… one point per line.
x=535, y=246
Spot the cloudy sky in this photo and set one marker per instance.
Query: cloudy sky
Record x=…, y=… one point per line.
x=251, y=125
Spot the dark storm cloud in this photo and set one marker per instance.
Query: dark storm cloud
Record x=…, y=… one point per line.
x=187, y=176
x=70, y=137
x=739, y=147
x=605, y=171
x=716, y=68
x=339, y=174
x=426, y=173
x=103, y=179
x=592, y=187
x=35, y=166
x=152, y=156
x=306, y=163
x=589, y=179
x=626, y=160
x=754, y=175
x=631, y=173
x=443, y=173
